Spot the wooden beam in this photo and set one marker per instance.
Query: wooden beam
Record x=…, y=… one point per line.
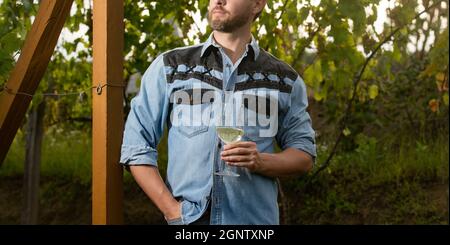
x=30, y=68
x=107, y=126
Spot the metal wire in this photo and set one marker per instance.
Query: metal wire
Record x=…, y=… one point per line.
x=98, y=88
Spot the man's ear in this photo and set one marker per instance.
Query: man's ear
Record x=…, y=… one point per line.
x=260, y=4
x=259, y=7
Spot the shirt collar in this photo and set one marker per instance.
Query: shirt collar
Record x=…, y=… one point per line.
x=210, y=42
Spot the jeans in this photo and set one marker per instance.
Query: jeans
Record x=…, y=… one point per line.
x=204, y=220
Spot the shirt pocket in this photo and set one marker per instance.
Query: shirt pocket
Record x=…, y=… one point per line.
x=192, y=114
x=195, y=119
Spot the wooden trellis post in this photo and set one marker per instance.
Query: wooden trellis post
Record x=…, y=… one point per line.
x=30, y=68
x=107, y=105
x=108, y=28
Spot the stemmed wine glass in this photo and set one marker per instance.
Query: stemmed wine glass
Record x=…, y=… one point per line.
x=229, y=135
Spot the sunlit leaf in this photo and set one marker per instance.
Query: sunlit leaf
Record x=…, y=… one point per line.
x=445, y=99
x=433, y=104
x=373, y=91
x=346, y=132
x=440, y=76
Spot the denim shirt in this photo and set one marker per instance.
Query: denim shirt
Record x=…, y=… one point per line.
x=194, y=149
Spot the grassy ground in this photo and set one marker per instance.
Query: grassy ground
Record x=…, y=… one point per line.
x=390, y=182
x=394, y=180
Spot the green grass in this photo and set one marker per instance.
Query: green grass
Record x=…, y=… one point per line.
x=397, y=158
x=395, y=181
x=64, y=154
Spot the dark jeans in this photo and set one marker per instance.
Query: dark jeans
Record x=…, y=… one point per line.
x=204, y=220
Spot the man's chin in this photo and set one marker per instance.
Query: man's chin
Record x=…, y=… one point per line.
x=219, y=21
x=217, y=25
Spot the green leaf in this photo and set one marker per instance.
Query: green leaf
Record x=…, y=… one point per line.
x=292, y=13
x=372, y=18
x=10, y=42
x=304, y=12
x=445, y=99
x=313, y=74
x=355, y=11
x=318, y=96
x=373, y=91
x=28, y=5
x=346, y=132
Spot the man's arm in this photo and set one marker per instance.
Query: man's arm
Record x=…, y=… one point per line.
x=288, y=162
x=149, y=179
x=143, y=130
x=295, y=136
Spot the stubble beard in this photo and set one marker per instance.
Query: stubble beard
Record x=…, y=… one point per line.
x=228, y=25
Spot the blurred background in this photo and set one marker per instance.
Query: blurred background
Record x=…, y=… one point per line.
x=377, y=79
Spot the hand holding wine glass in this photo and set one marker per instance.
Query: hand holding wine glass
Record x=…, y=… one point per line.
x=243, y=154
x=229, y=135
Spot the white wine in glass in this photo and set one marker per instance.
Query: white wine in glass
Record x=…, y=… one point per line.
x=229, y=135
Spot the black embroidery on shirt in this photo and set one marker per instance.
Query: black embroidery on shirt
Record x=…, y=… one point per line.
x=263, y=83
x=269, y=64
x=191, y=58
x=265, y=64
x=209, y=79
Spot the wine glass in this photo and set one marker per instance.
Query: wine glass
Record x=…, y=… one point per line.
x=229, y=135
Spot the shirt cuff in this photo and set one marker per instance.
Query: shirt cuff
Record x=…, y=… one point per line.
x=309, y=148
x=138, y=155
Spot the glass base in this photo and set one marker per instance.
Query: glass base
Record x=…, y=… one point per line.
x=227, y=173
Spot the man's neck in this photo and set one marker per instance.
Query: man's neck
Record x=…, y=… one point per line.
x=233, y=43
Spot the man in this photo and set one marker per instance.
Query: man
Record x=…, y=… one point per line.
x=229, y=61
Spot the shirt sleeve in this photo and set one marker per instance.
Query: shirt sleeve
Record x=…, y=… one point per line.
x=146, y=119
x=295, y=130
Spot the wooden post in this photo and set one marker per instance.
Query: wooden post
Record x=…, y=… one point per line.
x=36, y=52
x=107, y=126
x=35, y=132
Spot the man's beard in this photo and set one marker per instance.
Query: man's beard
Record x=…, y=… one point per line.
x=228, y=25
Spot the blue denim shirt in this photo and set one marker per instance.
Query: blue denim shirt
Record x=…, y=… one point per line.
x=194, y=149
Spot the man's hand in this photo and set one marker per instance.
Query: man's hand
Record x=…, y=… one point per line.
x=289, y=162
x=150, y=181
x=173, y=212
x=243, y=154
